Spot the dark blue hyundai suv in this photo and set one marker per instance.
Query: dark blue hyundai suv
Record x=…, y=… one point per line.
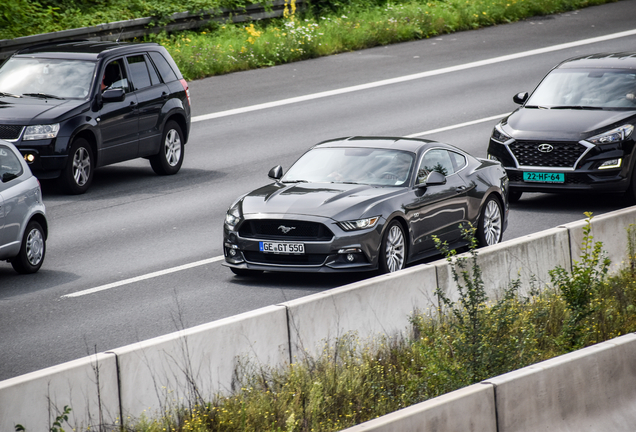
x=74, y=106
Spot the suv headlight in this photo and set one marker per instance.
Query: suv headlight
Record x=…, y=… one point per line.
x=615, y=135
x=38, y=132
x=499, y=135
x=359, y=224
x=233, y=216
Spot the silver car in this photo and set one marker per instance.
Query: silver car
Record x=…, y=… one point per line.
x=23, y=225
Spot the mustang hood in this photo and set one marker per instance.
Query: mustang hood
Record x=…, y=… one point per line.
x=29, y=110
x=332, y=200
x=562, y=124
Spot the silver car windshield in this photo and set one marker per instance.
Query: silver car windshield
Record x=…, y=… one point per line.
x=46, y=78
x=586, y=88
x=375, y=167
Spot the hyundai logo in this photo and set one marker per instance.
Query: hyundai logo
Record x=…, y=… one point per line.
x=545, y=148
x=285, y=229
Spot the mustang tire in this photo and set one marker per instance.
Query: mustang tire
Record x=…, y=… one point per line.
x=490, y=228
x=393, y=250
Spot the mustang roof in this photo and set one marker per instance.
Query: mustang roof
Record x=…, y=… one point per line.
x=397, y=143
x=626, y=60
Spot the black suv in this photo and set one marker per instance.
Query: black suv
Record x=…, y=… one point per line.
x=70, y=107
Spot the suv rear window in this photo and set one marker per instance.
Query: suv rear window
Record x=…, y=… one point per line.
x=138, y=71
x=166, y=72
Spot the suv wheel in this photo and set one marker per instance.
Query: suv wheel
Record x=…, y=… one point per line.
x=77, y=176
x=32, y=250
x=170, y=157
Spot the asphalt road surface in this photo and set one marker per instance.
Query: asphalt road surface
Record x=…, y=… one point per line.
x=139, y=255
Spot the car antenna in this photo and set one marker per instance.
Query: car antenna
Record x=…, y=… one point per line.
x=118, y=36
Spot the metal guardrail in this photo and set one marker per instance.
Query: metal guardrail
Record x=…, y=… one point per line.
x=126, y=30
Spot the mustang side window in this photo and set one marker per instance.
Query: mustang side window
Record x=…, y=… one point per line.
x=10, y=166
x=435, y=160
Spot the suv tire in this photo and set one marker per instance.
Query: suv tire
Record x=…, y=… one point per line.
x=77, y=176
x=170, y=157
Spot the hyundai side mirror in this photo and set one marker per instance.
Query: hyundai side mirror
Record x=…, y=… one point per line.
x=520, y=98
x=276, y=173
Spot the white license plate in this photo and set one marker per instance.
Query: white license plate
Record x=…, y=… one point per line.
x=282, y=248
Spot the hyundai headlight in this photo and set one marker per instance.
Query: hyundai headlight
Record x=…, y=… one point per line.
x=359, y=224
x=615, y=135
x=39, y=132
x=499, y=135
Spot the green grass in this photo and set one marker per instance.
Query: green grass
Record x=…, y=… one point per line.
x=463, y=343
x=327, y=27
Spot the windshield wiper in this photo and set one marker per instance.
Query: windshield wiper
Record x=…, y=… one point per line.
x=296, y=181
x=9, y=94
x=42, y=95
x=577, y=107
x=345, y=182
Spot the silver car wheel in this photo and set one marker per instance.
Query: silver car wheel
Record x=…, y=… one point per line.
x=34, y=247
x=172, y=147
x=492, y=223
x=81, y=166
x=394, y=249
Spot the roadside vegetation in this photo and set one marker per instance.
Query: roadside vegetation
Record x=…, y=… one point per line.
x=323, y=28
x=464, y=342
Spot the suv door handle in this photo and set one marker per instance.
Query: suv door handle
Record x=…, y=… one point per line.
x=460, y=188
x=164, y=95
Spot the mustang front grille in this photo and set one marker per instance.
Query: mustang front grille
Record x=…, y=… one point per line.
x=562, y=154
x=275, y=229
x=10, y=132
x=298, y=260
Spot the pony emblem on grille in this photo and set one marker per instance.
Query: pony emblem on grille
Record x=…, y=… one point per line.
x=285, y=229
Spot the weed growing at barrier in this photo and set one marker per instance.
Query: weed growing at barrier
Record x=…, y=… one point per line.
x=57, y=424
x=468, y=340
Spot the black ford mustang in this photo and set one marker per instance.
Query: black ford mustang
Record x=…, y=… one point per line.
x=364, y=203
x=574, y=133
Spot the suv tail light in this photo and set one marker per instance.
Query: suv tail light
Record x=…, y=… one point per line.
x=187, y=90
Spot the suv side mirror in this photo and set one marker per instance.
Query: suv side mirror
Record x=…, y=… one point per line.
x=520, y=98
x=276, y=173
x=114, y=95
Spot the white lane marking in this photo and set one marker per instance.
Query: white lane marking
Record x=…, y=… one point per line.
x=457, y=126
x=413, y=76
x=144, y=277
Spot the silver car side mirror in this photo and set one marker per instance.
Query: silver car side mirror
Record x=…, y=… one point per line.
x=276, y=173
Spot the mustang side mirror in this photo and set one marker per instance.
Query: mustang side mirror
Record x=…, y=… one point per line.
x=276, y=173
x=114, y=95
x=435, y=178
x=520, y=98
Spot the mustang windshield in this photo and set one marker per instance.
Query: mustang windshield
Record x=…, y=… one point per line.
x=375, y=167
x=46, y=78
x=586, y=88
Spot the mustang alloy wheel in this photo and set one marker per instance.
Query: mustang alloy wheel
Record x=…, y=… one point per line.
x=490, y=227
x=393, y=251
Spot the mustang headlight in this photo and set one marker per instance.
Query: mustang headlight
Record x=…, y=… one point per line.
x=359, y=224
x=499, y=135
x=615, y=135
x=233, y=216
x=38, y=132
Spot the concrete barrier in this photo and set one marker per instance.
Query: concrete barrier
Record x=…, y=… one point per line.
x=172, y=370
x=610, y=229
x=528, y=258
x=370, y=308
x=593, y=389
x=87, y=385
x=468, y=409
